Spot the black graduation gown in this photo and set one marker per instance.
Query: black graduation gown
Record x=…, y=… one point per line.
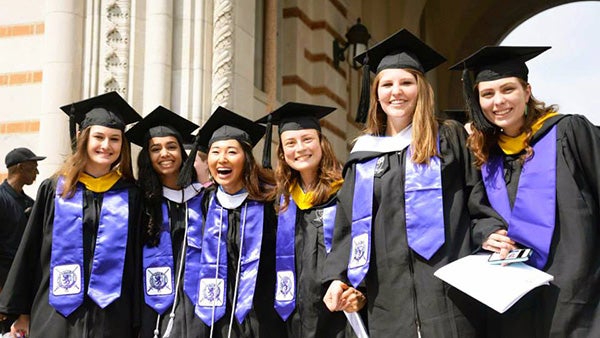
x=27, y=287
x=311, y=318
x=569, y=306
x=262, y=320
x=401, y=288
x=186, y=323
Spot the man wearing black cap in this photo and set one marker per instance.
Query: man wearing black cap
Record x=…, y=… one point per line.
x=14, y=208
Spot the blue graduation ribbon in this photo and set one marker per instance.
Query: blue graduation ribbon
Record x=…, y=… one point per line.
x=531, y=221
x=285, y=292
x=252, y=231
x=111, y=244
x=158, y=268
x=424, y=206
x=212, y=290
x=362, y=215
x=328, y=226
x=193, y=252
x=66, y=259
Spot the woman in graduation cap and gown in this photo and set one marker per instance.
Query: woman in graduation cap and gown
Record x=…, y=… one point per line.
x=402, y=211
x=237, y=263
x=540, y=173
x=308, y=177
x=77, y=270
x=172, y=219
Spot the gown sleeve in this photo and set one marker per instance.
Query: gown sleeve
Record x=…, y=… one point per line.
x=25, y=274
x=581, y=147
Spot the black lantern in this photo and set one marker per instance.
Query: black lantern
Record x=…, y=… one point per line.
x=357, y=39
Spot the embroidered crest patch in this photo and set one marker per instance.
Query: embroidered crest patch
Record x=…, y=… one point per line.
x=67, y=279
x=360, y=245
x=211, y=292
x=158, y=281
x=285, y=286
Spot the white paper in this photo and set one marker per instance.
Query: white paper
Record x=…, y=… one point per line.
x=496, y=286
x=357, y=324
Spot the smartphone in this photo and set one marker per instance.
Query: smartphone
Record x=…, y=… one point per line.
x=517, y=255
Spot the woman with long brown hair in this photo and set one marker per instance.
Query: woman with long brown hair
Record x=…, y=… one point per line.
x=308, y=177
x=540, y=173
x=237, y=263
x=77, y=270
x=402, y=210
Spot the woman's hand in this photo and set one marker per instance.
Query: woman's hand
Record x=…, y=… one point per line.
x=341, y=297
x=499, y=242
x=20, y=328
x=354, y=300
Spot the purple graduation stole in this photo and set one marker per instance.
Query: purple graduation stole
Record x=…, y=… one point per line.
x=532, y=219
x=328, y=215
x=285, y=291
x=194, y=248
x=362, y=216
x=212, y=292
x=158, y=269
x=66, y=259
x=424, y=206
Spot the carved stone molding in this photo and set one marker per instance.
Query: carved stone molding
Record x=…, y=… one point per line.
x=222, y=53
x=115, y=46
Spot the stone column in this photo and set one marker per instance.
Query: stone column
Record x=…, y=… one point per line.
x=61, y=82
x=222, y=54
x=158, y=55
x=270, y=53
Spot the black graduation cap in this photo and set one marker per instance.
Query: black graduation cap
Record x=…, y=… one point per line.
x=400, y=50
x=497, y=62
x=108, y=110
x=159, y=123
x=223, y=124
x=292, y=116
x=492, y=63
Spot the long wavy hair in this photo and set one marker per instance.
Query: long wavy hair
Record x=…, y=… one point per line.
x=481, y=143
x=258, y=181
x=76, y=162
x=152, y=189
x=424, y=123
x=329, y=170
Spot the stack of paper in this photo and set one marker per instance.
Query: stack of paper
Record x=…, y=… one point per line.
x=496, y=286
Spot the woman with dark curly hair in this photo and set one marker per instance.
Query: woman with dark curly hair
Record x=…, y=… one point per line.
x=540, y=173
x=169, y=216
x=237, y=262
x=308, y=177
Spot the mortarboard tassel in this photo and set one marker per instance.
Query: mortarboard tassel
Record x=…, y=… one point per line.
x=185, y=175
x=72, y=129
x=479, y=120
x=363, y=103
x=266, y=160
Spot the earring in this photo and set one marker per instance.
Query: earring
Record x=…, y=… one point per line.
x=526, y=110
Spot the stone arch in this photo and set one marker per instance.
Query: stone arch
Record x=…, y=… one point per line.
x=460, y=27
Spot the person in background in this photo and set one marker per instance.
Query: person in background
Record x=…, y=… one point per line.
x=77, y=270
x=308, y=177
x=170, y=221
x=540, y=173
x=402, y=210
x=237, y=263
x=15, y=207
